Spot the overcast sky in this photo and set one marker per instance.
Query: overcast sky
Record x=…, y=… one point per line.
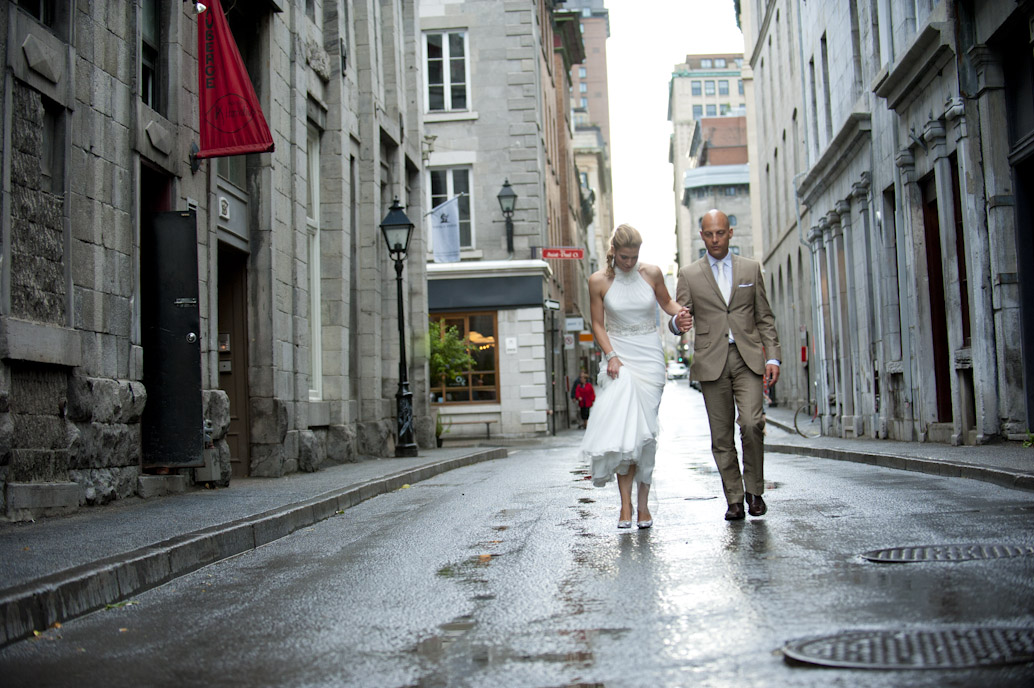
x=647, y=39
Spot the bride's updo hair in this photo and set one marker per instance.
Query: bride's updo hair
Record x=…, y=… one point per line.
x=625, y=236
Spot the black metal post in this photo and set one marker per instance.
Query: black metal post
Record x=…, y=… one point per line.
x=405, y=444
x=552, y=355
x=509, y=233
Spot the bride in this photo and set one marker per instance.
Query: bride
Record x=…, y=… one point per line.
x=621, y=435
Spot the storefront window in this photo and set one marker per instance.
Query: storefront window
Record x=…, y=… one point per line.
x=480, y=382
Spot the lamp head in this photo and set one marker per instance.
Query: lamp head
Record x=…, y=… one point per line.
x=507, y=198
x=397, y=229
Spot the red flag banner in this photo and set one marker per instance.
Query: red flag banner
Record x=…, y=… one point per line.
x=231, y=119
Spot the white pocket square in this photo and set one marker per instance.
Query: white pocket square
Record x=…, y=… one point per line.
x=749, y=284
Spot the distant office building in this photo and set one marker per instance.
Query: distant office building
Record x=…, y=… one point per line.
x=706, y=88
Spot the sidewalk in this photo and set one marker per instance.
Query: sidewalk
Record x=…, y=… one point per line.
x=1008, y=464
x=62, y=567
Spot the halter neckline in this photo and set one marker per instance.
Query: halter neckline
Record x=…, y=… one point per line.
x=627, y=277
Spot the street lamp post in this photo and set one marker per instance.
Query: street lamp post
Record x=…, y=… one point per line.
x=397, y=231
x=507, y=200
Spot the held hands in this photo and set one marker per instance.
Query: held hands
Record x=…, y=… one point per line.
x=684, y=320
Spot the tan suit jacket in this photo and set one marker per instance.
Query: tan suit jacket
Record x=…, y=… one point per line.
x=748, y=315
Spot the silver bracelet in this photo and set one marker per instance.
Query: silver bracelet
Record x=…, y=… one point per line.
x=612, y=354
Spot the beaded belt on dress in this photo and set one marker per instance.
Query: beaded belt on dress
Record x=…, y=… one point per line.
x=626, y=330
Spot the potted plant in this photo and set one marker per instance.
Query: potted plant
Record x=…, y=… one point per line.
x=440, y=428
x=449, y=358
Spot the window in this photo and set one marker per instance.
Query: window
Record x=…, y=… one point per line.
x=712, y=110
x=694, y=87
x=709, y=88
x=41, y=10
x=233, y=169
x=446, y=57
x=312, y=222
x=719, y=62
x=723, y=87
x=739, y=85
x=585, y=103
x=52, y=161
x=480, y=383
x=724, y=109
x=581, y=72
x=583, y=87
x=732, y=220
x=730, y=191
x=705, y=63
x=698, y=111
x=150, y=57
x=446, y=183
x=739, y=62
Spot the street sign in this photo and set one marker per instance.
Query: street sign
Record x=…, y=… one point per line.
x=551, y=304
x=568, y=341
x=574, y=324
x=563, y=252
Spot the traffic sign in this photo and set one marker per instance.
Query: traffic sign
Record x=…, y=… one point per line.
x=551, y=304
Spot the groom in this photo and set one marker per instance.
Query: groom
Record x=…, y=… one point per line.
x=723, y=297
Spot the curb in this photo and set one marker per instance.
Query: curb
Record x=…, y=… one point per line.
x=950, y=469
x=87, y=588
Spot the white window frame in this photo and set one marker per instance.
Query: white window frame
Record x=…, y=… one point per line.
x=446, y=72
x=312, y=225
x=450, y=192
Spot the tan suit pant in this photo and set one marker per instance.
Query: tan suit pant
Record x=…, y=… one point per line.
x=738, y=388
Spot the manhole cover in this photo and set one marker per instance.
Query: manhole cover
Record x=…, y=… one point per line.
x=902, y=555
x=945, y=648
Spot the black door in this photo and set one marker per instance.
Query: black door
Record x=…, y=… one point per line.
x=173, y=425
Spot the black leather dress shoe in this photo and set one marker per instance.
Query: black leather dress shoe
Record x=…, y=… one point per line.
x=735, y=512
x=756, y=505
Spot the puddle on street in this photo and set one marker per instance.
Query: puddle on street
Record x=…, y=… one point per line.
x=453, y=651
x=464, y=568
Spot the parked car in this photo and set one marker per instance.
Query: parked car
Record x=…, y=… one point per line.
x=677, y=371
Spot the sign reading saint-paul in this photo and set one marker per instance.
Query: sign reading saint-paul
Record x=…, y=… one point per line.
x=232, y=122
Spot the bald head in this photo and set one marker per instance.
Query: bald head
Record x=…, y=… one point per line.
x=716, y=233
x=715, y=218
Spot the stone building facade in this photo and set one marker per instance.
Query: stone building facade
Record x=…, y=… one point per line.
x=914, y=124
x=503, y=117
x=773, y=79
x=293, y=330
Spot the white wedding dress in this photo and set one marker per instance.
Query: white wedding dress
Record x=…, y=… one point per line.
x=622, y=428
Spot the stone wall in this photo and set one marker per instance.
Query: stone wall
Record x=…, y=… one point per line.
x=38, y=289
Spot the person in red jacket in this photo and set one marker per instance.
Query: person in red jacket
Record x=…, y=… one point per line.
x=585, y=395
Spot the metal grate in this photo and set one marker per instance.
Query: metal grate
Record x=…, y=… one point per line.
x=902, y=555
x=942, y=648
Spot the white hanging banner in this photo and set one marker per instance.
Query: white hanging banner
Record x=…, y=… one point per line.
x=445, y=231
